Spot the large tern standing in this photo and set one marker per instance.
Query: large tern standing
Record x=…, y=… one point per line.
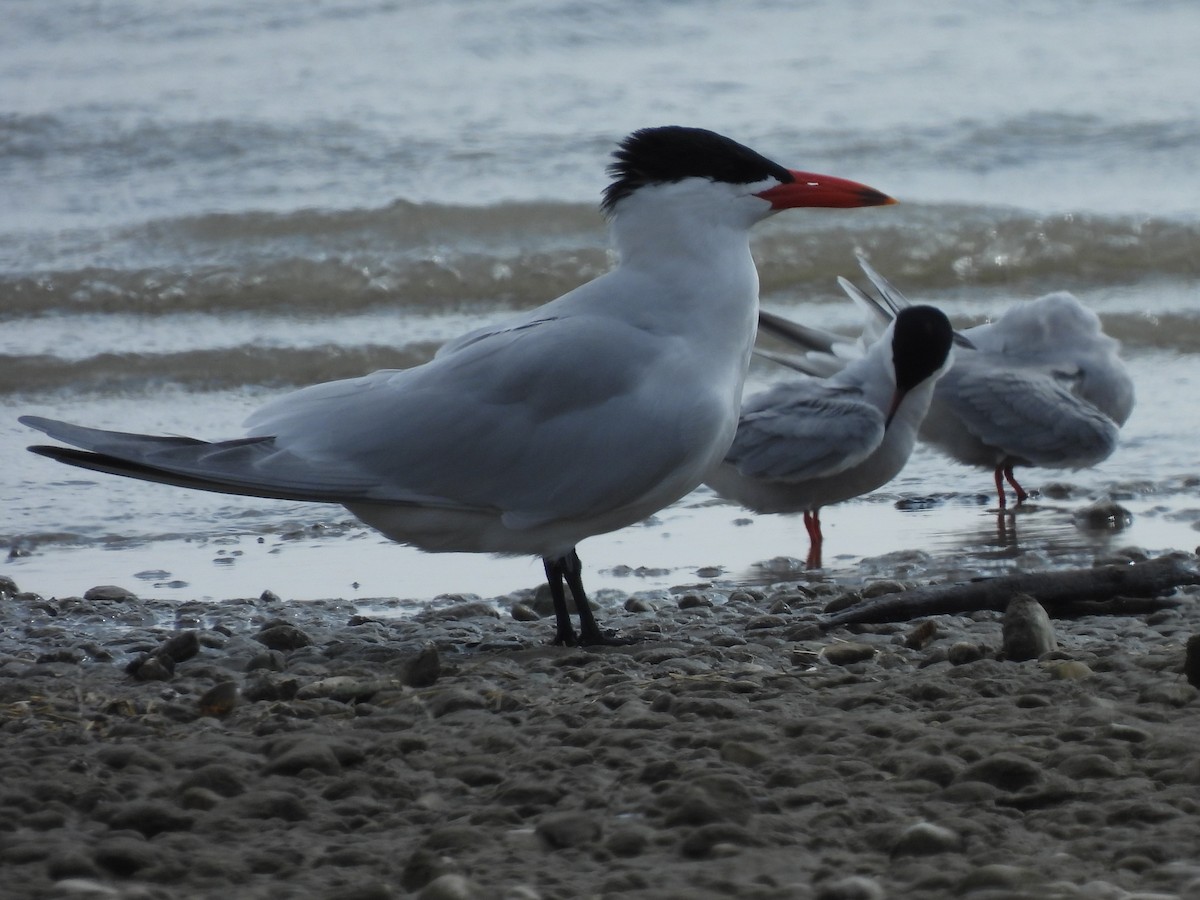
x=806, y=443
x=577, y=418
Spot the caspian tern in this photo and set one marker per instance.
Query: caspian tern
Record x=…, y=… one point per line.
x=577, y=418
x=1043, y=385
x=804, y=444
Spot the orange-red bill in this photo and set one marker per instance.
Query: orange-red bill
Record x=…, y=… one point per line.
x=811, y=189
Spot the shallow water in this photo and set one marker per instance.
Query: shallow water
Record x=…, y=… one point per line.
x=203, y=211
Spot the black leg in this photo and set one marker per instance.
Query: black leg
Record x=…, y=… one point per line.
x=589, y=631
x=555, y=570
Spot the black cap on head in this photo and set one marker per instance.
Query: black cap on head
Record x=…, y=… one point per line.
x=920, y=343
x=673, y=153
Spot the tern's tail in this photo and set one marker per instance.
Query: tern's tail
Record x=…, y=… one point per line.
x=252, y=467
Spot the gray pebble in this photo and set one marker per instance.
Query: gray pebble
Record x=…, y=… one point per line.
x=845, y=653
x=918, y=637
x=220, y=778
x=476, y=609
x=719, y=839
x=1005, y=771
x=219, y=700
x=266, y=688
x=448, y=701
x=962, y=652
x=71, y=863
x=1027, y=630
x=153, y=668
x=124, y=856
x=995, y=875
x=628, y=841
x=271, y=660
x=523, y=612
x=199, y=798
x=852, y=887
x=271, y=805
x=568, y=829
x=109, y=592
x=926, y=839
x=283, y=637
x=345, y=688
x=308, y=754
x=424, y=669
x=180, y=647
x=741, y=753
x=452, y=887
x=150, y=817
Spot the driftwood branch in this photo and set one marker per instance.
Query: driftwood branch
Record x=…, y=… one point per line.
x=1132, y=589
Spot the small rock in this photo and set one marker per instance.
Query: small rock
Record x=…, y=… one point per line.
x=742, y=754
x=271, y=660
x=1027, y=630
x=1005, y=771
x=1130, y=733
x=638, y=605
x=308, y=754
x=721, y=839
x=283, y=637
x=523, y=612
x=344, y=688
x=852, y=887
x=453, y=700
x=152, y=668
x=180, y=647
x=84, y=888
x=70, y=863
x=1071, y=670
x=451, y=887
x=926, y=839
x=476, y=609
x=424, y=669
x=150, y=817
x=920, y=636
x=199, y=798
x=694, y=601
x=628, y=841
x=962, y=652
x=568, y=829
x=1176, y=694
x=422, y=868
x=223, y=780
x=881, y=588
x=109, y=592
x=847, y=653
x=271, y=805
x=124, y=856
x=996, y=875
x=264, y=687
x=219, y=700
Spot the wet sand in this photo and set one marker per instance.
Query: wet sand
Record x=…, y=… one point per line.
x=257, y=748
